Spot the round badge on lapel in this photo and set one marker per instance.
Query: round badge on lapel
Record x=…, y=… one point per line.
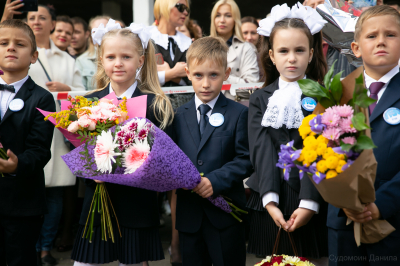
x=16, y=105
x=216, y=119
x=308, y=104
x=392, y=116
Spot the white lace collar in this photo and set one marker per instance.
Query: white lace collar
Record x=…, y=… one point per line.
x=181, y=39
x=284, y=107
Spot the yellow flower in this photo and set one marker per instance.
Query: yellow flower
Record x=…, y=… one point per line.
x=322, y=139
x=321, y=148
x=301, y=157
x=310, y=142
x=331, y=174
x=332, y=162
x=305, y=128
x=310, y=156
x=328, y=152
x=321, y=166
x=304, y=131
x=340, y=165
x=341, y=156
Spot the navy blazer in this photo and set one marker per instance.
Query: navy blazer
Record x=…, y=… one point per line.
x=29, y=137
x=222, y=154
x=134, y=207
x=265, y=145
x=387, y=183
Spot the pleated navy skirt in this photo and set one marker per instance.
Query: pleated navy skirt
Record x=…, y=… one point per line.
x=311, y=240
x=135, y=246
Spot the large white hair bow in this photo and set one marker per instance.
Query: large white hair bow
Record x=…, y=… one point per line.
x=142, y=31
x=310, y=16
x=98, y=33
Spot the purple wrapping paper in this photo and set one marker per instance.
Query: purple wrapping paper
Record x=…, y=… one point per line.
x=166, y=168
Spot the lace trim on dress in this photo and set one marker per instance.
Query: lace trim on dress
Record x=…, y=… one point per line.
x=284, y=108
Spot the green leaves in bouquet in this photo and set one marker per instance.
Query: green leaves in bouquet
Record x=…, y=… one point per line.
x=358, y=121
x=311, y=88
x=360, y=96
x=364, y=143
x=328, y=76
x=337, y=88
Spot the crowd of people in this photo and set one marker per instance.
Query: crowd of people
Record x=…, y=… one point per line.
x=46, y=52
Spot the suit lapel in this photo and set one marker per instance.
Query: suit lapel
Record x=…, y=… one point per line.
x=191, y=121
x=389, y=97
x=24, y=93
x=220, y=107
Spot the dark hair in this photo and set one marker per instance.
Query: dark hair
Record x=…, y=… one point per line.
x=316, y=69
x=194, y=34
x=65, y=19
x=78, y=20
x=18, y=24
x=51, y=11
x=250, y=19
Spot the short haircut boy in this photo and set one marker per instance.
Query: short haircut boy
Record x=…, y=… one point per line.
x=208, y=48
x=375, y=11
x=78, y=20
x=18, y=24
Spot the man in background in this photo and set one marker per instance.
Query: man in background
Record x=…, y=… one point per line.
x=79, y=43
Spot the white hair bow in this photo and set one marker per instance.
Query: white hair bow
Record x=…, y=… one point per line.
x=310, y=16
x=98, y=33
x=142, y=31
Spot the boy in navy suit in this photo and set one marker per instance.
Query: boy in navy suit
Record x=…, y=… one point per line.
x=377, y=41
x=27, y=139
x=212, y=131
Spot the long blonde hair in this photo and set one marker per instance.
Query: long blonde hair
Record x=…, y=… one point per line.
x=235, y=14
x=162, y=8
x=149, y=83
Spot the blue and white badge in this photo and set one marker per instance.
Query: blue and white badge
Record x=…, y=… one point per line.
x=16, y=105
x=216, y=119
x=392, y=116
x=308, y=104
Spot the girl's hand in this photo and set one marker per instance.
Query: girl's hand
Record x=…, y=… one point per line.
x=179, y=70
x=163, y=67
x=277, y=216
x=57, y=86
x=299, y=218
x=10, y=9
x=98, y=181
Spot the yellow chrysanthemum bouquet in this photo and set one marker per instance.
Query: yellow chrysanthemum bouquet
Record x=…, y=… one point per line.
x=337, y=149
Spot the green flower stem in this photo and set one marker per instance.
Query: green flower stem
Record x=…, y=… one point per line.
x=236, y=208
x=237, y=218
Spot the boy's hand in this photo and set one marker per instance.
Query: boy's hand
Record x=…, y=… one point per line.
x=204, y=189
x=57, y=86
x=9, y=166
x=375, y=213
x=299, y=218
x=360, y=217
x=277, y=216
x=10, y=9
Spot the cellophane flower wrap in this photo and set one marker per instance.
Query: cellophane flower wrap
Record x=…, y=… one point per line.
x=337, y=149
x=284, y=260
x=139, y=154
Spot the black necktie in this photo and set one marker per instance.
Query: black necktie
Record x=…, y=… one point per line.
x=5, y=87
x=203, y=109
x=171, y=44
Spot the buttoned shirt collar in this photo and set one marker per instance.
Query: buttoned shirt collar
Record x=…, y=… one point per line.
x=128, y=93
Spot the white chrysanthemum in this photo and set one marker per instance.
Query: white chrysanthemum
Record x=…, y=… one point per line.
x=104, y=152
x=291, y=260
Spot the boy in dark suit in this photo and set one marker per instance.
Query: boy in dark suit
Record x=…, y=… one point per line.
x=27, y=139
x=212, y=131
x=377, y=41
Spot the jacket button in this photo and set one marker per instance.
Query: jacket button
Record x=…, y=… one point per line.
x=200, y=162
x=237, y=69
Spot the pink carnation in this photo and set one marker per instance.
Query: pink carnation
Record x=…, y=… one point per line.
x=330, y=118
x=135, y=156
x=344, y=111
x=349, y=140
x=347, y=126
x=332, y=133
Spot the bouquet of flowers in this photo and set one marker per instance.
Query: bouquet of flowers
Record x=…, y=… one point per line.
x=81, y=120
x=284, y=260
x=337, y=152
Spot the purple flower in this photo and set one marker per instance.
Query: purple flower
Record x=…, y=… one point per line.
x=339, y=150
x=302, y=170
x=286, y=166
x=288, y=146
x=295, y=155
x=347, y=165
x=316, y=125
x=317, y=177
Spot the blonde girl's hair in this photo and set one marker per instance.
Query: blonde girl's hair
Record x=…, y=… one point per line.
x=162, y=8
x=91, y=48
x=235, y=14
x=149, y=83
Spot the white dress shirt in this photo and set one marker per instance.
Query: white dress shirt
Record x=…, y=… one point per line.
x=198, y=102
x=385, y=79
x=7, y=96
x=128, y=93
